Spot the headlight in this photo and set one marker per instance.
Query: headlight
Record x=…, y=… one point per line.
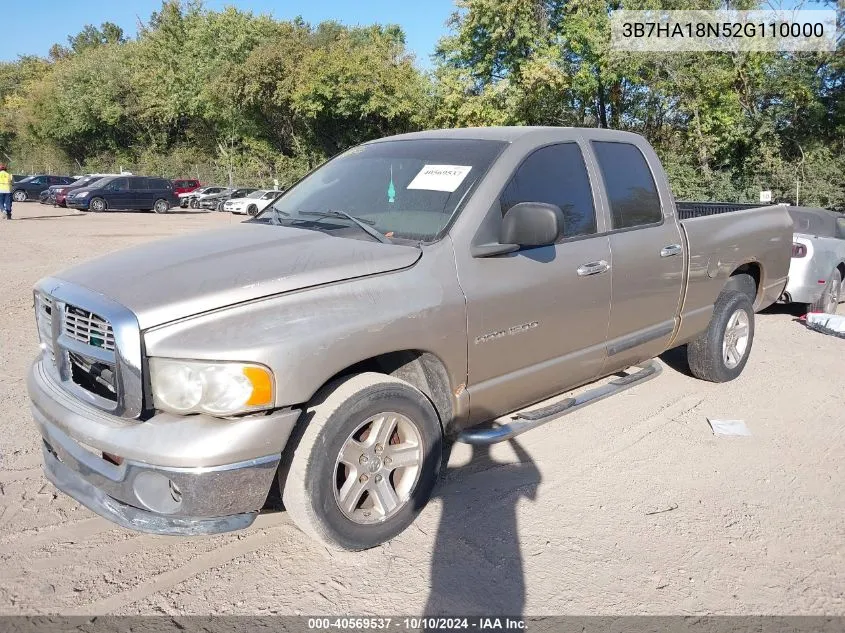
x=81, y=194
x=218, y=388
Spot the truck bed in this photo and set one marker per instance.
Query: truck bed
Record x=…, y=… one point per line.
x=721, y=238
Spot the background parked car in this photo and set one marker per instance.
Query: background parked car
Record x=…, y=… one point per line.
x=125, y=192
x=62, y=191
x=31, y=187
x=185, y=185
x=190, y=199
x=254, y=203
x=818, y=259
x=56, y=194
x=217, y=200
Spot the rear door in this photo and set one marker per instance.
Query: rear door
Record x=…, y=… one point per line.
x=648, y=256
x=141, y=192
x=537, y=318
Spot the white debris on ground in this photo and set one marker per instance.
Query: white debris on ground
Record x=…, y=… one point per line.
x=826, y=323
x=729, y=428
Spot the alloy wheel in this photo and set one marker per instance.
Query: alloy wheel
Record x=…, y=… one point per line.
x=378, y=468
x=735, y=341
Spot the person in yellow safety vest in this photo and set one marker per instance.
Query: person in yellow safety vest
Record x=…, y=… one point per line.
x=5, y=192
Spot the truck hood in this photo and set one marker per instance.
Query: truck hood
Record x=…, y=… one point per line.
x=179, y=277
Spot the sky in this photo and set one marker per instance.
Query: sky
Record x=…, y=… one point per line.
x=31, y=28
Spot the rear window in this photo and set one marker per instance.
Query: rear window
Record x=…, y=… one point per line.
x=631, y=191
x=185, y=183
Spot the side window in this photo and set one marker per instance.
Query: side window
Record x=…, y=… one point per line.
x=41, y=180
x=630, y=186
x=119, y=184
x=555, y=175
x=139, y=184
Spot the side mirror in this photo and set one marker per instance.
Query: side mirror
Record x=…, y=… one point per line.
x=531, y=224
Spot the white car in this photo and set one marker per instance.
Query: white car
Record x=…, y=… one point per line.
x=254, y=203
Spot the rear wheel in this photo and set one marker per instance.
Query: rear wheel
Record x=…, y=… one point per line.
x=364, y=463
x=721, y=352
x=97, y=204
x=19, y=196
x=828, y=302
x=161, y=206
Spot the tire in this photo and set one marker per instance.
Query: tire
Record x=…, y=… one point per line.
x=194, y=203
x=220, y=205
x=829, y=300
x=161, y=206
x=19, y=195
x=97, y=205
x=252, y=210
x=341, y=419
x=708, y=355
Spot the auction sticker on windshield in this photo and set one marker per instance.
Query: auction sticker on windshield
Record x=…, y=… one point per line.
x=440, y=177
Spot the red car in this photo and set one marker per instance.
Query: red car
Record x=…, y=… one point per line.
x=185, y=185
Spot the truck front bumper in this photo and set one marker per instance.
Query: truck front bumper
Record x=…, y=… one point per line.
x=160, y=499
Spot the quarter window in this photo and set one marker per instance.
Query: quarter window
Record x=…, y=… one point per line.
x=630, y=186
x=557, y=175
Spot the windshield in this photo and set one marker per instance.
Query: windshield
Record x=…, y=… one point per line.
x=408, y=189
x=256, y=194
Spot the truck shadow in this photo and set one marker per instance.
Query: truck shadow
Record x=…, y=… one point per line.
x=476, y=565
x=676, y=358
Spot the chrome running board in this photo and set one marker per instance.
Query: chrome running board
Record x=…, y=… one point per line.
x=518, y=423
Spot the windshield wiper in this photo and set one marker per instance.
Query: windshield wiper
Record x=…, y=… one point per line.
x=369, y=230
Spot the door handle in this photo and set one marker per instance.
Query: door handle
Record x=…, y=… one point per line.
x=593, y=268
x=672, y=249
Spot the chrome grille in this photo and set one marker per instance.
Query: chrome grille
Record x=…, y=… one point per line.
x=94, y=351
x=88, y=328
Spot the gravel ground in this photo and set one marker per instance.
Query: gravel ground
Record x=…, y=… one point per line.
x=631, y=506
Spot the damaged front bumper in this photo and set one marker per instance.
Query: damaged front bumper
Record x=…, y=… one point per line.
x=82, y=445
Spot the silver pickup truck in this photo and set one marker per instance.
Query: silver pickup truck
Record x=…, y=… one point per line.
x=441, y=286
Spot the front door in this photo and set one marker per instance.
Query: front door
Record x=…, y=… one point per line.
x=648, y=257
x=537, y=318
x=118, y=194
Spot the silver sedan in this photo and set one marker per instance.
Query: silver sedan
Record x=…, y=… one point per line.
x=818, y=259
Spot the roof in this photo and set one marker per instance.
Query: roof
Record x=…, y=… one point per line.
x=507, y=134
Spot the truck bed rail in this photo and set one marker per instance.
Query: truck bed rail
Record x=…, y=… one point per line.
x=688, y=210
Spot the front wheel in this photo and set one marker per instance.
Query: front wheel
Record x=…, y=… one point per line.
x=161, y=206
x=97, y=204
x=721, y=352
x=252, y=210
x=19, y=196
x=364, y=464
x=194, y=203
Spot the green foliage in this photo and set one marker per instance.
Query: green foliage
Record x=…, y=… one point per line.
x=232, y=96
